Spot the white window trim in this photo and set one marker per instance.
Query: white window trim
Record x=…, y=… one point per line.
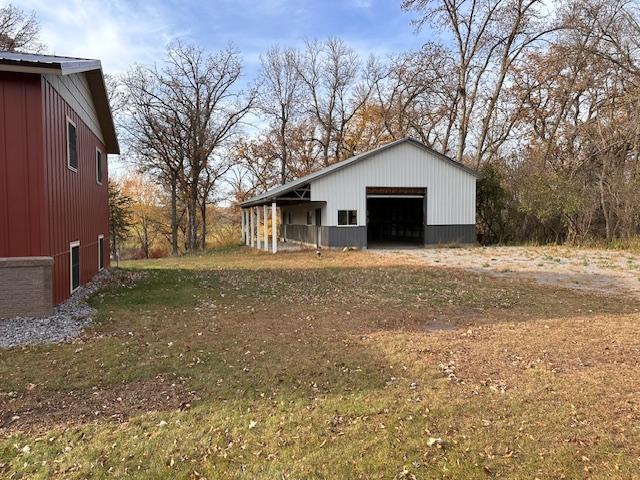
x=100, y=268
x=96, y=162
x=347, y=210
x=71, y=246
x=69, y=121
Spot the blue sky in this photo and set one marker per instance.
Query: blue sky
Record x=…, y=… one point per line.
x=121, y=32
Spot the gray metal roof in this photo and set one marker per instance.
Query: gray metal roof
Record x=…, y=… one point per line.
x=274, y=193
x=64, y=65
x=57, y=65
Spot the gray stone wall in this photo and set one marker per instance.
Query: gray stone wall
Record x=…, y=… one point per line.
x=26, y=286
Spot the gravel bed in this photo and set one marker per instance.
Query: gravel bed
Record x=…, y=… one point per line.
x=66, y=322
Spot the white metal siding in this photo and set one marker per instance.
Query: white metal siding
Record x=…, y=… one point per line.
x=74, y=89
x=451, y=192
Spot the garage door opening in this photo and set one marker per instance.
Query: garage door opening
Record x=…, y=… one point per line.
x=395, y=218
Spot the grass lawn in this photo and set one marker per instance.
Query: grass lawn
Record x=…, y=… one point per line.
x=241, y=364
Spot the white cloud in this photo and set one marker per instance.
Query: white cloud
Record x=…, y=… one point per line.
x=117, y=33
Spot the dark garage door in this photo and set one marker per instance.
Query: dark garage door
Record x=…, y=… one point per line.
x=395, y=219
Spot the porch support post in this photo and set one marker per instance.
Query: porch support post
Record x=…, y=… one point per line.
x=266, y=228
x=251, y=225
x=258, y=237
x=274, y=229
x=242, y=232
x=246, y=227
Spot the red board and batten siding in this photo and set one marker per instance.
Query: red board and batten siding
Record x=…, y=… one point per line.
x=77, y=206
x=44, y=206
x=22, y=213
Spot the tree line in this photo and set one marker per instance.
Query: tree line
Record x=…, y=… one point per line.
x=543, y=98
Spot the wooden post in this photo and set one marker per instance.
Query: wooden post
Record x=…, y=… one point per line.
x=251, y=224
x=266, y=228
x=274, y=229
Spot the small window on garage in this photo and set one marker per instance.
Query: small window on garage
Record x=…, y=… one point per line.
x=100, y=252
x=98, y=167
x=347, y=217
x=74, y=267
x=309, y=218
x=72, y=146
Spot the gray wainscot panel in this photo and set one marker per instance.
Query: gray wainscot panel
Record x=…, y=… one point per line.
x=347, y=236
x=327, y=236
x=438, y=234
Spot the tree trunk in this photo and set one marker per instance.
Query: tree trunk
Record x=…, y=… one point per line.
x=462, y=132
x=192, y=229
x=174, y=216
x=283, y=146
x=203, y=238
x=325, y=153
x=193, y=215
x=603, y=205
x=145, y=240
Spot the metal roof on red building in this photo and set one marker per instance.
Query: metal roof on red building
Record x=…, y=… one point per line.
x=57, y=65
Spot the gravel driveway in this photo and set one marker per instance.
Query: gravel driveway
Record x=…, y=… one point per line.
x=604, y=271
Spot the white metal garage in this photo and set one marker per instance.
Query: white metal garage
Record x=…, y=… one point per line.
x=402, y=192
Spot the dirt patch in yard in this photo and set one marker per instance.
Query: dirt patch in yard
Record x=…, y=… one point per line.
x=604, y=271
x=36, y=411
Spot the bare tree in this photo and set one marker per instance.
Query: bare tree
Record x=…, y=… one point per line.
x=256, y=167
x=214, y=171
x=257, y=160
x=338, y=87
x=211, y=108
x=280, y=96
x=185, y=115
x=19, y=30
x=417, y=97
x=489, y=37
x=116, y=95
x=155, y=140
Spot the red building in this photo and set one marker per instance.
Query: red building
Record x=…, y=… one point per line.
x=56, y=130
